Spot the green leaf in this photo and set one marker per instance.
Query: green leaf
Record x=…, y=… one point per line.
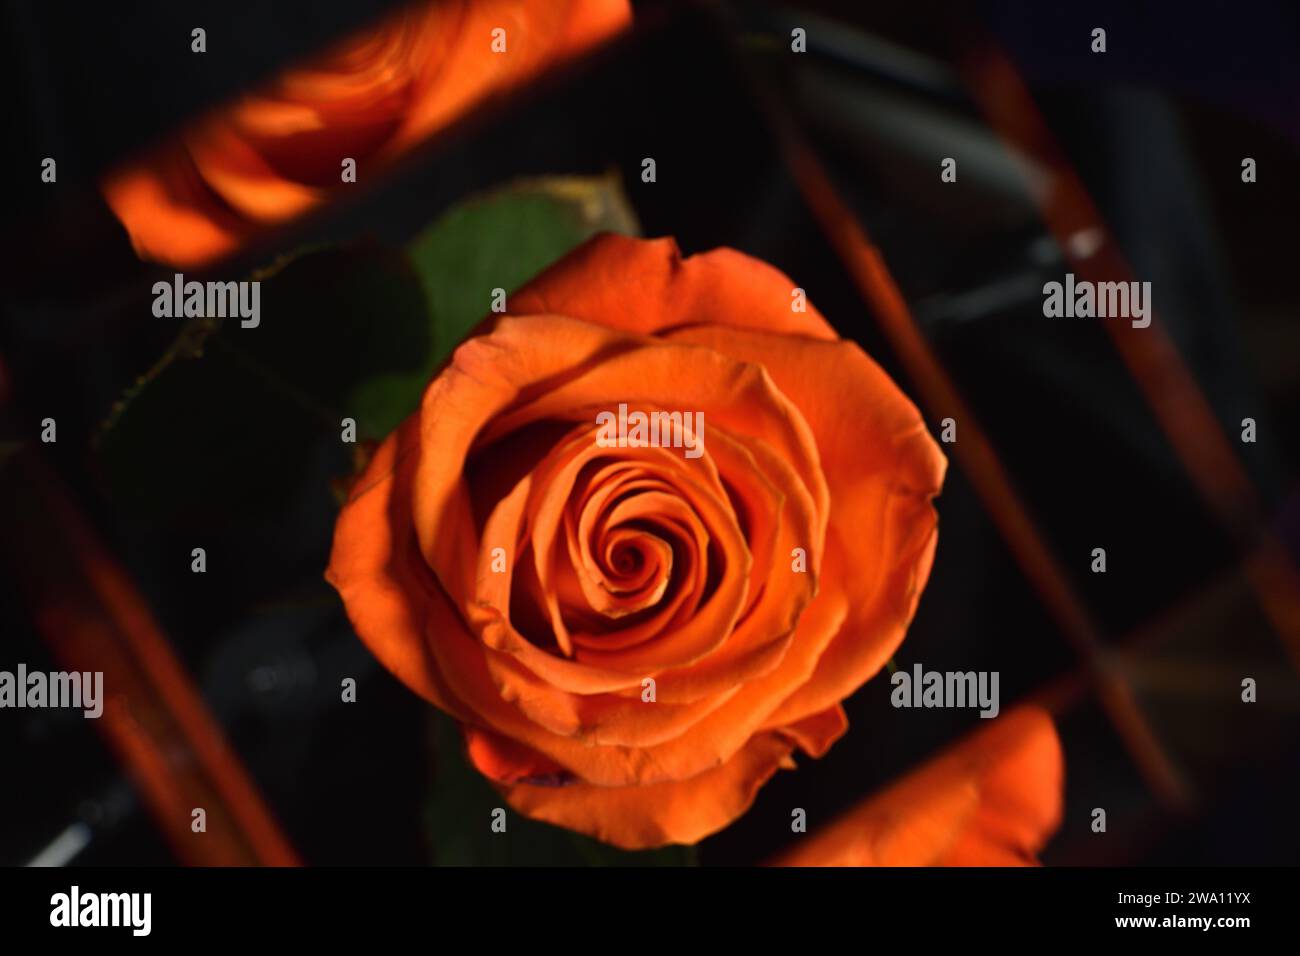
x=459, y=816
x=502, y=239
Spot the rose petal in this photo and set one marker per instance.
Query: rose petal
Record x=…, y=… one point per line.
x=646, y=287
x=882, y=468
x=679, y=811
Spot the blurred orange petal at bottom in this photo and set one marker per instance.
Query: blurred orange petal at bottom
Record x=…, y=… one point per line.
x=993, y=799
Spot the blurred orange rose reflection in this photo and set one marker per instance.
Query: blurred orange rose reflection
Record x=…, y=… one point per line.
x=277, y=152
x=992, y=800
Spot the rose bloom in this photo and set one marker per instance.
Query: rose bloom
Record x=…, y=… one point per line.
x=634, y=640
x=991, y=800
x=277, y=153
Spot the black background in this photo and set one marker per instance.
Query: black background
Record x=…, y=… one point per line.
x=1156, y=128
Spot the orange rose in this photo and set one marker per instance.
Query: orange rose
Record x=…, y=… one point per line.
x=993, y=800
x=629, y=636
x=277, y=153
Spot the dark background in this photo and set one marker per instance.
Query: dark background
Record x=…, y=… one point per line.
x=1156, y=127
